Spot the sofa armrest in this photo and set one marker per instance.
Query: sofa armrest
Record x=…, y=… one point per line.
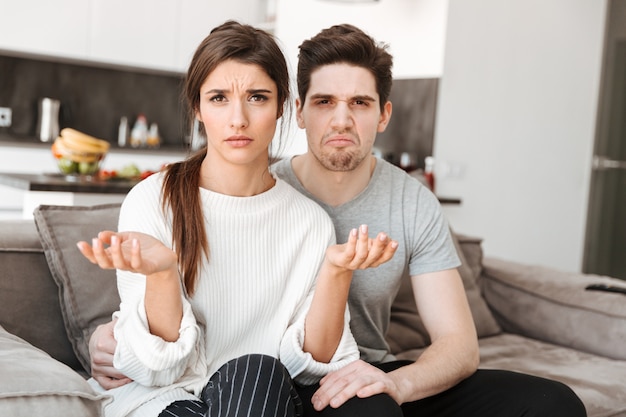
x=553, y=306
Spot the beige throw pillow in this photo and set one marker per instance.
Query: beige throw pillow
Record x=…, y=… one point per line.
x=88, y=294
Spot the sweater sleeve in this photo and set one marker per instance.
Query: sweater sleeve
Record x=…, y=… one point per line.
x=142, y=356
x=301, y=365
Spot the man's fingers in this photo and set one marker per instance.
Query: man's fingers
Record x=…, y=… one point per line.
x=110, y=383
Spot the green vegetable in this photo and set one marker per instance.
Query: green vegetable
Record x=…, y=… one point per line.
x=67, y=166
x=88, y=168
x=129, y=171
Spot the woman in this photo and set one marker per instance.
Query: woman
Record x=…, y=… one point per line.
x=217, y=259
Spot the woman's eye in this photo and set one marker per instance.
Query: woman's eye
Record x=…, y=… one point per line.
x=258, y=97
x=217, y=98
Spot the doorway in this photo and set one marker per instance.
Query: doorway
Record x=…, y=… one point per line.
x=605, y=240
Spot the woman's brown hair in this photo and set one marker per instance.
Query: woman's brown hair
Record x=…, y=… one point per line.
x=181, y=193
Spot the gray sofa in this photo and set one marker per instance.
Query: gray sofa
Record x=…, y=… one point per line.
x=529, y=318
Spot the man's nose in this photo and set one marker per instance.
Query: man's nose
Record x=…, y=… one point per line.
x=342, y=115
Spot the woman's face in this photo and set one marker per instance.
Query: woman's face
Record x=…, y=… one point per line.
x=239, y=109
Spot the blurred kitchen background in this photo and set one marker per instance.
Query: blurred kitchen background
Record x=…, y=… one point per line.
x=513, y=99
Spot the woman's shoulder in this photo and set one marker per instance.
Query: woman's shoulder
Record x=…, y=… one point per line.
x=146, y=191
x=299, y=201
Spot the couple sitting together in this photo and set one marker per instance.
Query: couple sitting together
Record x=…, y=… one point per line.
x=254, y=289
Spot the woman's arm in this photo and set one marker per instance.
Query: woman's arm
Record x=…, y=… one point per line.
x=143, y=254
x=325, y=320
x=153, y=312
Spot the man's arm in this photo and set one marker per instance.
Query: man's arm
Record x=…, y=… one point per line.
x=102, y=345
x=451, y=357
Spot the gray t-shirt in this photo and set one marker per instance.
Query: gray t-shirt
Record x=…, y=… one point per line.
x=402, y=207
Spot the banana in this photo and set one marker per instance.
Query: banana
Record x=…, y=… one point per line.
x=67, y=150
x=82, y=142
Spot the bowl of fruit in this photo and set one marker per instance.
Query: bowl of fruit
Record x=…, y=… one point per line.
x=77, y=153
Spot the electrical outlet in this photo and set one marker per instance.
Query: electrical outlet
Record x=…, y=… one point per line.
x=5, y=117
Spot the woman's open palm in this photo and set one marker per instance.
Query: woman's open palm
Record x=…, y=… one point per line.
x=362, y=252
x=129, y=251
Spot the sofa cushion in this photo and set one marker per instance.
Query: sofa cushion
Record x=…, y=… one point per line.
x=406, y=330
x=553, y=305
x=28, y=293
x=34, y=384
x=597, y=380
x=88, y=294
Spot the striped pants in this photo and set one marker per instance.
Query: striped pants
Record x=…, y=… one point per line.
x=248, y=386
x=260, y=386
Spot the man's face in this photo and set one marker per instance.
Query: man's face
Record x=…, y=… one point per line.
x=342, y=116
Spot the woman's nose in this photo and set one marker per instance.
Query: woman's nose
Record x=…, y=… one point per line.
x=238, y=117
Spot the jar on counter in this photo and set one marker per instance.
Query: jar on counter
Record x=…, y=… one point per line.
x=153, y=140
x=139, y=134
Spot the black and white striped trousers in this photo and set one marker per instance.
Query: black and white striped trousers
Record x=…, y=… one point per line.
x=260, y=386
x=249, y=386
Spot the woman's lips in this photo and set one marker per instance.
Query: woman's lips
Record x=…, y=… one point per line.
x=238, y=142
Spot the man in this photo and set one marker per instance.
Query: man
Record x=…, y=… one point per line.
x=344, y=79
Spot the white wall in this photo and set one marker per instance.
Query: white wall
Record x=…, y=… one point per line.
x=414, y=30
x=516, y=110
x=516, y=121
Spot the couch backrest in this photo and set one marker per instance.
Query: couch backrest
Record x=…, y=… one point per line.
x=29, y=297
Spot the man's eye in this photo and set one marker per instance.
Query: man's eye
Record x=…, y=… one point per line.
x=361, y=103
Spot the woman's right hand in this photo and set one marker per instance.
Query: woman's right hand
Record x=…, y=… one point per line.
x=129, y=251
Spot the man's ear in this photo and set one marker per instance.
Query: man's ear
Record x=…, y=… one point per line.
x=299, y=118
x=385, y=116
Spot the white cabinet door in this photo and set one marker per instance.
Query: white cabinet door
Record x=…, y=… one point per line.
x=140, y=33
x=198, y=17
x=56, y=28
x=157, y=34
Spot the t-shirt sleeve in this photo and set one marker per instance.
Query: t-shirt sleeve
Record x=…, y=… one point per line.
x=433, y=249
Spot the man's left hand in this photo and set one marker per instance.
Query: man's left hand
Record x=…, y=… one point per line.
x=356, y=379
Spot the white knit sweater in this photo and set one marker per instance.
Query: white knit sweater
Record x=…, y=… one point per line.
x=252, y=295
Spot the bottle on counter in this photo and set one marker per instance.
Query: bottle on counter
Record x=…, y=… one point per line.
x=122, y=132
x=429, y=172
x=139, y=134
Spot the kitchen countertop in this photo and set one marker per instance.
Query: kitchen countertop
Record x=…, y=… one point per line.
x=66, y=183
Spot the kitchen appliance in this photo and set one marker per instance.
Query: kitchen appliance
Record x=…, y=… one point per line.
x=48, y=120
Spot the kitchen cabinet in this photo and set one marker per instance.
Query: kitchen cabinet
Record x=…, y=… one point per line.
x=139, y=33
x=198, y=17
x=56, y=28
x=154, y=34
